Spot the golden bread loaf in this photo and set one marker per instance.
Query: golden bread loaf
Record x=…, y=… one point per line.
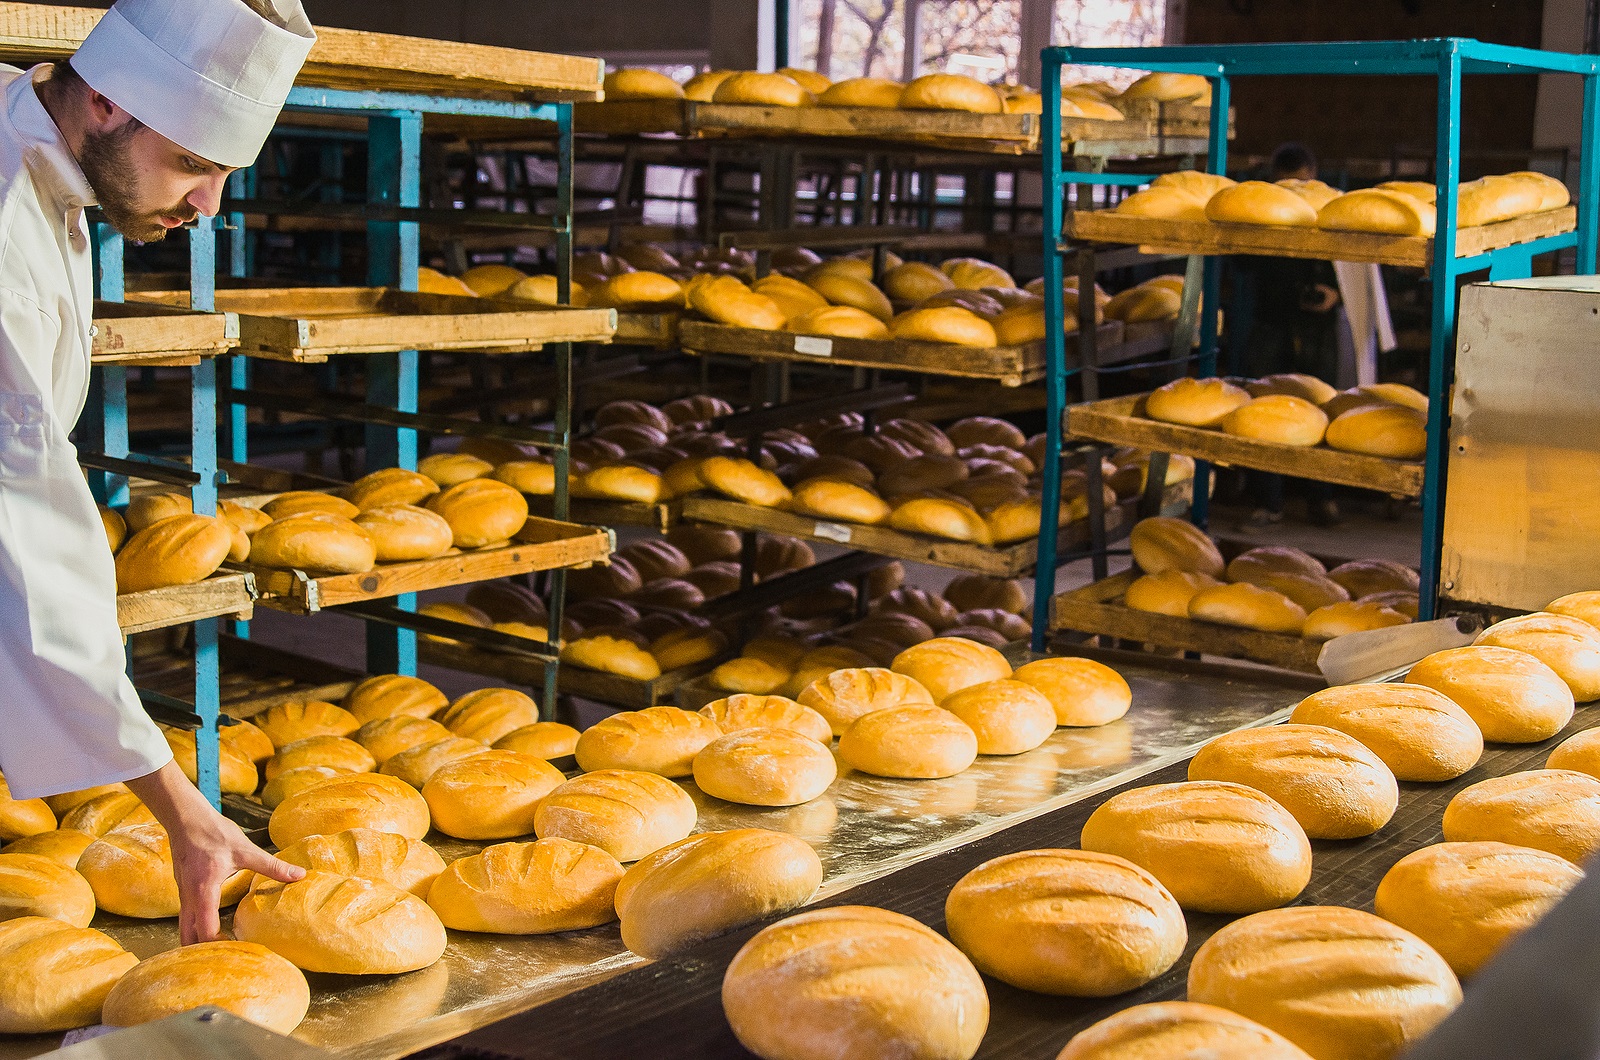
x=975, y=274
x=1248, y=606
x=246, y=738
x=416, y=765
x=1553, y=193
x=1466, y=900
x=1349, y=616
x=738, y=712
x=392, y=694
x=973, y=592
x=489, y=796
x=296, y=501
x=660, y=740
x=287, y=723
x=848, y=291
x=36, y=885
x=1496, y=198
x=709, y=883
x=751, y=675
x=1082, y=691
x=1313, y=191
x=1255, y=202
x=116, y=527
x=236, y=773
x=764, y=767
x=1167, y=593
x=1163, y=203
x=481, y=511
x=1194, y=402
x=68, y=801
x=843, y=695
x=1332, y=784
x=810, y=80
x=638, y=83
x=1380, y=210
x=1582, y=605
x=1281, y=419
x=243, y=978
x=946, y=665
x=1218, y=847
x=535, y=478
x=768, y=90
x=726, y=300
x=1569, y=646
x=854, y=981
x=1419, y=733
x=1163, y=543
x=743, y=481
x=542, y=739
x=832, y=499
x=409, y=864
x=862, y=92
x=316, y=542
x=178, y=550
x=1170, y=88
x=1144, y=303
x=487, y=714
x=150, y=508
x=936, y=517
x=1340, y=983
x=611, y=655
x=1417, y=189
x=1556, y=810
x=53, y=976
x=950, y=92
x=1295, y=384
x=130, y=869
x=104, y=812
x=352, y=800
x=346, y=925
x=61, y=845
x=333, y=752
x=1392, y=431
x=1070, y=922
x=951, y=325
x=626, y=813
x=1179, y=1030
x=910, y=742
x=1007, y=716
x=492, y=279
x=404, y=532
x=292, y=782
x=1579, y=752
x=639, y=291
x=913, y=281
x=839, y=321
x=432, y=281
x=528, y=888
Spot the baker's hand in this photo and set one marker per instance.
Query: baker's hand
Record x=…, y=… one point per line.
x=207, y=849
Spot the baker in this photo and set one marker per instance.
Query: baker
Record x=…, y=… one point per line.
x=161, y=103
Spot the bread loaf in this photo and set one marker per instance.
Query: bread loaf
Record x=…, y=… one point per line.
x=346, y=925
x=1466, y=900
x=764, y=767
x=1569, y=646
x=950, y=325
x=1556, y=810
x=1194, y=402
x=862, y=92
x=36, y=885
x=1296, y=384
x=950, y=92
x=151, y=508
x=1170, y=88
x=24, y=817
x=292, y=782
x=1582, y=605
x=1069, y=922
x=611, y=655
x=770, y=90
x=1218, y=847
x=1255, y=202
x=354, y=800
x=334, y=752
x=1340, y=983
x=1281, y=419
x=1579, y=752
x=62, y=845
x=830, y=499
x=535, y=478
x=542, y=739
x=489, y=796
x=287, y=723
x=937, y=517
x=409, y=864
x=749, y=675
x=243, y=978
x=626, y=813
x=416, y=765
x=1384, y=211
x=246, y=738
x=179, y=550
x=725, y=300
x=481, y=511
x=1248, y=606
x=1163, y=203
x=854, y=981
x=450, y=469
x=1363, y=577
x=1007, y=716
x=1082, y=691
x=847, y=321
x=743, y=481
x=1167, y=593
x=708, y=883
x=1416, y=731
x=130, y=870
x=315, y=542
x=1179, y=1030
x=1496, y=198
x=389, y=695
x=54, y=976
x=1332, y=784
x=738, y=712
x=104, y=812
x=1392, y=431
x=909, y=742
x=295, y=502
x=528, y=888
x=660, y=740
x=844, y=695
x=1162, y=543
x=1349, y=616
x=392, y=485
x=946, y=665
x=487, y=714
x=64, y=803
x=404, y=532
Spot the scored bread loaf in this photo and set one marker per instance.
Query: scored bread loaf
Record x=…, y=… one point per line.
x=1163, y=543
x=287, y=723
x=130, y=869
x=352, y=800
x=333, y=752
x=409, y=864
x=392, y=485
x=764, y=767
x=946, y=665
x=316, y=542
x=1419, y=733
x=150, y=508
x=1556, y=810
x=1281, y=419
x=1384, y=211
x=1256, y=202
x=1179, y=1029
x=346, y=925
x=243, y=978
x=1007, y=716
x=178, y=550
x=54, y=976
x=296, y=501
x=62, y=845
x=292, y=782
x=1167, y=593
x=912, y=742
x=767, y=711
x=1569, y=646
x=1248, y=606
x=489, y=796
x=393, y=694
x=1082, y=691
x=660, y=740
x=1248, y=566
x=36, y=885
x=841, y=696
x=104, y=812
x=528, y=888
x=450, y=469
x=416, y=765
x=626, y=813
x=487, y=714
x=1350, y=616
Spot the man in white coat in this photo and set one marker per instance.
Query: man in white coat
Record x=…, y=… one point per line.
x=164, y=99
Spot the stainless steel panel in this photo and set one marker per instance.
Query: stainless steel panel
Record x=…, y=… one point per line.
x=1522, y=512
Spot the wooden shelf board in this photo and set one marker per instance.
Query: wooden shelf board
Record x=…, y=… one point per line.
x=1098, y=609
x=227, y=594
x=657, y=330
x=1205, y=237
x=1119, y=421
x=660, y=517
x=134, y=334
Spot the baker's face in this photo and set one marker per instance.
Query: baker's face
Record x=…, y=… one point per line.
x=146, y=184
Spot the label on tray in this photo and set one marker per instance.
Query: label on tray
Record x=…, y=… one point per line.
x=813, y=345
x=832, y=532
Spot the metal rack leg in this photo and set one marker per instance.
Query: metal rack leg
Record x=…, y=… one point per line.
x=203, y=459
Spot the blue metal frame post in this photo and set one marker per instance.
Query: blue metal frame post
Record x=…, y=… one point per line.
x=1589, y=177
x=557, y=581
x=203, y=460
x=1055, y=350
x=105, y=416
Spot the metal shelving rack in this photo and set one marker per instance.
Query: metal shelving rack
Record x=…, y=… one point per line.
x=1447, y=60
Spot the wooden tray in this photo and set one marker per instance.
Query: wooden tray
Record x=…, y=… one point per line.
x=1205, y=237
x=1098, y=609
x=350, y=59
x=656, y=330
x=660, y=517
x=311, y=324
x=632, y=117
x=877, y=123
x=1120, y=422
x=159, y=335
x=570, y=680
x=1007, y=365
x=227, y=594
x=543, y=544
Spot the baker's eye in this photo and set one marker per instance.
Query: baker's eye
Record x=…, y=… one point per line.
x=192, y=166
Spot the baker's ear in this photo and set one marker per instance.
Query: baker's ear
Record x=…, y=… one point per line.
x=104, y=115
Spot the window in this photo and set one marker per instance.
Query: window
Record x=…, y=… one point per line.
x=1107, y=24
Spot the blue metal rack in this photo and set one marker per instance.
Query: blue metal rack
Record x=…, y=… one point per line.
x=1447, y=60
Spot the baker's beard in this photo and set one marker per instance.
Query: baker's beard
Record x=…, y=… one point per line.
x=104, y=159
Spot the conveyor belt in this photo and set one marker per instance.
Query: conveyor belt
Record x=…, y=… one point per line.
x=671, y=1009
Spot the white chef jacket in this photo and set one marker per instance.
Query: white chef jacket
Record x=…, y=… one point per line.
x=69, y=716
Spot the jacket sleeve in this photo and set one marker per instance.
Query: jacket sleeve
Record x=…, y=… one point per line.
x=71, y=718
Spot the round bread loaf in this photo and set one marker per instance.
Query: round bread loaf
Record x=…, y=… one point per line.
x=346, y=925
x=391, y=694
x=481, y=511
x=315, y=542
x=392, y=485
x=104, y=812
x=1163, y=203
x=913, y=281
x=842, y=696
x=179, y=550
x=1256, y=202
x=1557, y=810
x=36, y=885
x=450, y=469
x=528, y=888
x=489, y=796
x=712, y=882
x=487, y=714
x=353, y=800
x=660, y=740
x=1194, y=402
x=542, y=739
x=686, y=646
x=416, y=765
x=975, y=274
x=1070, y=922
x=1163, y=543
x=1278, y=418
x=404, y=532
x=1417, y=732
x=1340, y=983
x=243, y=978
x=1179, y=1030
x=862, y=92
x=854, y=981
x=624, y=812
x=611, y=655
x=409, y=864
x=950, y=325
x=1350, y=616
x=1363, y=577
x=640, y=84
x=1167, y=593
x=150, y=508
x=1584, y=605
x=296, y=501
x=793, y=298
x=1391, y=431
x=236, y=773
x=1332, y=784
x=1170, y=88
x=246, y=738
x=1579, y=752
x=950, y=92
x=62, y=845
x=770, y=90
x=768, y=712
x=1218, y=847
x=1248, y=606
x=1082, y=691
x=536, y=478
x=287, y=723
x=1569, y=646
x=1466, y=900
x=911, y=742
x=130, y=870
x=386, y=737
x=764, y=767
x=292, y=782
x=1381, y=210
x=972, y=592
x=702, y=86
x=749, y=675
x=946, y=665
x=334, y=752
x=54, y=976
x=1008, y=716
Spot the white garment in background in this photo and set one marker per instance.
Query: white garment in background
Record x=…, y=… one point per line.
x=69, y=716
x=1366, y=309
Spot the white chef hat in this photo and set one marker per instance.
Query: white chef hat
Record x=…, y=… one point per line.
x=209, y=75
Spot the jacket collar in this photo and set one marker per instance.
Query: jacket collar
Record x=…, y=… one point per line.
x=49, y=160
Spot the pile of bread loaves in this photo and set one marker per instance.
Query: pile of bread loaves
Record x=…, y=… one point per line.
x=1276, y=589
x=1400, y=208
x=1379, y=419
x=1322, y=982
